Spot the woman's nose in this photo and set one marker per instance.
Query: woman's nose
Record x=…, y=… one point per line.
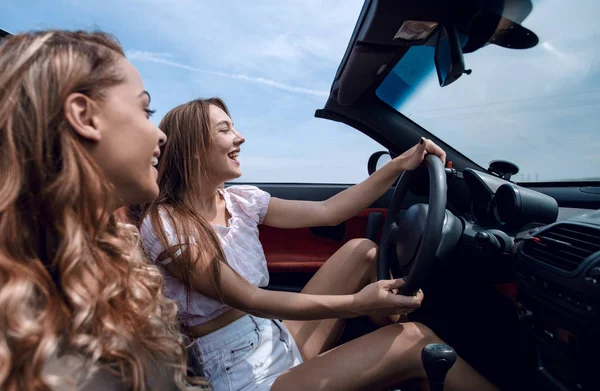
x=162, y=138
x=240, y=139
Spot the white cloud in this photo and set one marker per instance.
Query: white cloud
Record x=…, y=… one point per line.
x=285, y=41
x=282, y=48
x=161, y=58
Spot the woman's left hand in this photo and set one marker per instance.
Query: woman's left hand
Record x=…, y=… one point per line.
x=413, y=158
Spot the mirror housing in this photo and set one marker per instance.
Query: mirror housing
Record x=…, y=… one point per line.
x=503, y=169
x=448, y=57
x=376, y=160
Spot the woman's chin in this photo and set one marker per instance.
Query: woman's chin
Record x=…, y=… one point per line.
x=226, y=175
x=235, y=173
x=233, y=176
x=147, y=195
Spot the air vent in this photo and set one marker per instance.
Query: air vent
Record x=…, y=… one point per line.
x=564, y=246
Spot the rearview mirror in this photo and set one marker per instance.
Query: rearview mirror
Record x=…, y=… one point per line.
x=448, y=57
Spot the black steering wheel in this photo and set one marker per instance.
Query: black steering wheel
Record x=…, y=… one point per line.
x=401, y=237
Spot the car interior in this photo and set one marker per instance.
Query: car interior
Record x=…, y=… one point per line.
x=510, y=269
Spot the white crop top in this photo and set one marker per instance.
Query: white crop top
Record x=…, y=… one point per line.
x=247, y=206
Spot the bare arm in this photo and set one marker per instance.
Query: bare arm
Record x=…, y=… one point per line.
x=239, y=293
x=348, y=203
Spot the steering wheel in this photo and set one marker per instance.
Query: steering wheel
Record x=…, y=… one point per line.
x=401, y=236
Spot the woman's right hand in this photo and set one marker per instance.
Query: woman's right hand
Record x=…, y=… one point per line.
x=380, y=298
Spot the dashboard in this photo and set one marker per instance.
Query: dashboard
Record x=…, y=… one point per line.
x=501, y=202
x=556, y=267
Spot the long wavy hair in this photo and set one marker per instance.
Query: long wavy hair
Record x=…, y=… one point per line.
x=72, y=279
x=183, y=164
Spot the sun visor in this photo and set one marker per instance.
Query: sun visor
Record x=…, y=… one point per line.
x=362, y=69
x=512, y=35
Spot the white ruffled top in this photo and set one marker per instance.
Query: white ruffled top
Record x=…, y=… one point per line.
x=247, y=206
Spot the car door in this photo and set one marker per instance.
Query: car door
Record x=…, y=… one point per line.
x=294, y=255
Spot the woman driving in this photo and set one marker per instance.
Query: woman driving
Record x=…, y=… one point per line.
x=204, y=236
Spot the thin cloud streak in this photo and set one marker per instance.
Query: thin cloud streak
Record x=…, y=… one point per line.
x=162, y=58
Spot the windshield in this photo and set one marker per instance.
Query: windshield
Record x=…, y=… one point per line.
x=536, y=107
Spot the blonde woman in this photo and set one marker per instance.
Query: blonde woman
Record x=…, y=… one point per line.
x=80, y=308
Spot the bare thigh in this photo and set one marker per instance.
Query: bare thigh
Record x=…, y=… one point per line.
x=346, y=272
x=377, y=361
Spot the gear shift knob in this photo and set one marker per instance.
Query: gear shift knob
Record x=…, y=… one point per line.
x=437, y=360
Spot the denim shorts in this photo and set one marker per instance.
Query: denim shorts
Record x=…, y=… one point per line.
x=248, y=354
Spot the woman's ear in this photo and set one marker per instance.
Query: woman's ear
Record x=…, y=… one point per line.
x=79, y=112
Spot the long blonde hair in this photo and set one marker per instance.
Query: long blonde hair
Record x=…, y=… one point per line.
x=72, y=280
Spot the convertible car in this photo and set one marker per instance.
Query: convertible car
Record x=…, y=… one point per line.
x=510, y=268
x=509, y=263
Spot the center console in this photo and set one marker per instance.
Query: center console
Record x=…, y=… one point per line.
x=558, y=285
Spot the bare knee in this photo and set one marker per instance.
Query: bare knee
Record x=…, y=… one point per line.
x=363, y=249
x=409, y=340
x=418, y=333
x=411, y=332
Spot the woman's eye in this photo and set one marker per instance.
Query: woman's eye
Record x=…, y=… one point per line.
x=149, y=112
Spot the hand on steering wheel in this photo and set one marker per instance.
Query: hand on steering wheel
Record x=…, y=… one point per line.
x=412, y=158
x=380, y=298
x=422, y=262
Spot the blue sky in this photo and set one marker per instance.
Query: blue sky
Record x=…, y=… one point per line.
x=273, y=62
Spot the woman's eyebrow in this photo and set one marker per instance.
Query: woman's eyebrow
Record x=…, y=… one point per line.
x=224, y=122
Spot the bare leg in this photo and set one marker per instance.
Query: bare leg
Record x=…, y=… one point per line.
x=350, y=269
x=377, y=361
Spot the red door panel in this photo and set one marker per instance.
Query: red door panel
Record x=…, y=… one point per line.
x=300, y=250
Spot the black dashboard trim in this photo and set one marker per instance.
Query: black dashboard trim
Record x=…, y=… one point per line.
x=584, y=265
